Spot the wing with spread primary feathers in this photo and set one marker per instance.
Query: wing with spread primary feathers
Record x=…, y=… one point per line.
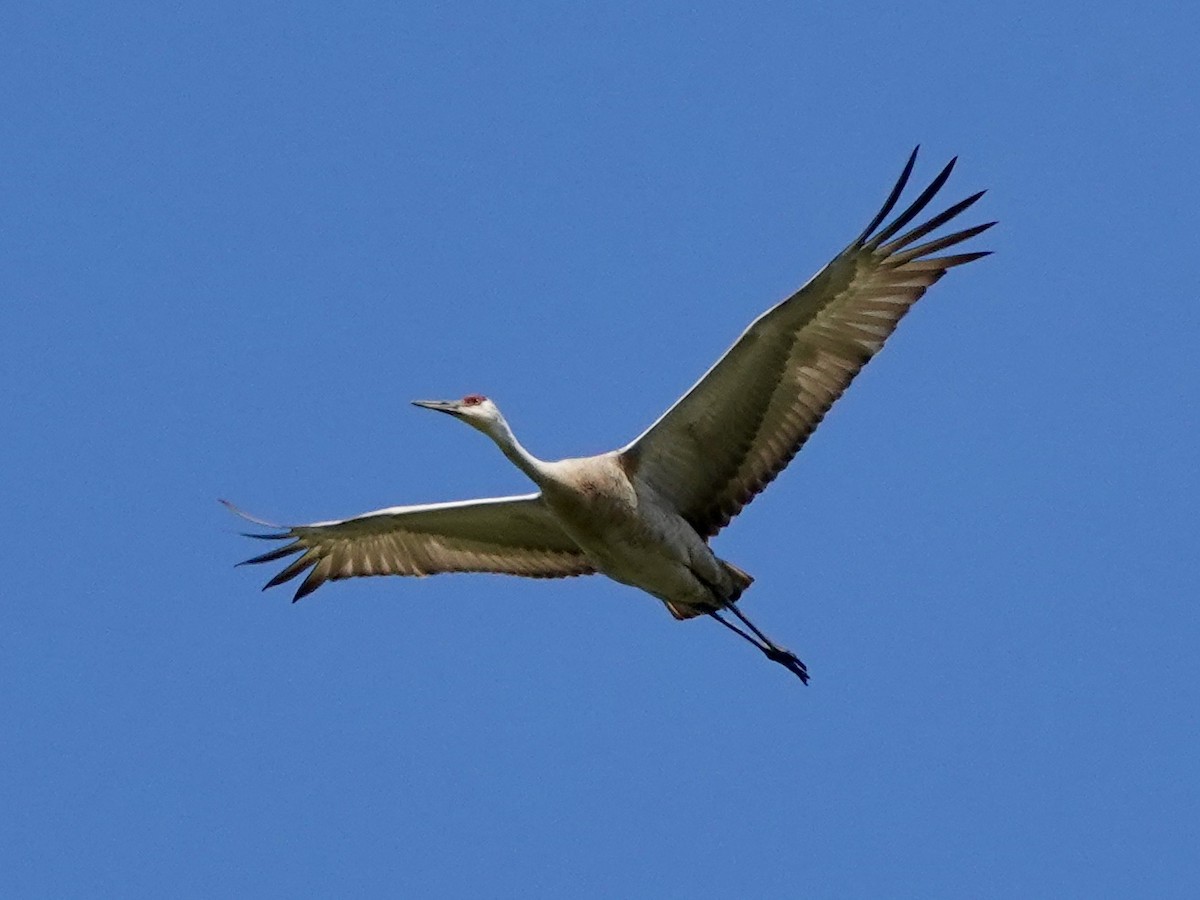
x=713, y=451
x=508, y=535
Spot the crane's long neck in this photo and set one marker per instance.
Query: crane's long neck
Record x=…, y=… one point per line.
x=502, y=434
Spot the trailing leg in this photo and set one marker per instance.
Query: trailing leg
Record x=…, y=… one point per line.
x=769, y=648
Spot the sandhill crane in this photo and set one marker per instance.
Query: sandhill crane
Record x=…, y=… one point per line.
x=644, y=514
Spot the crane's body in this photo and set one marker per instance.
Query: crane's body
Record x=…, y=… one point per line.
x=644, y=514
x=633, y=536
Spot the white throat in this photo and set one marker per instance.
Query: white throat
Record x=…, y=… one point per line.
x=500, y=432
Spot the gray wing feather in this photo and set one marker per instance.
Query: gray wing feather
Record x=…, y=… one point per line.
x=507, y=535
x=737, y=428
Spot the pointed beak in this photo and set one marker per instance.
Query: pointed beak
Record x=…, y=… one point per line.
x=446, y=406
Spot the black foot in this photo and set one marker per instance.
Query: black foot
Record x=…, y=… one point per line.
x=788, y=660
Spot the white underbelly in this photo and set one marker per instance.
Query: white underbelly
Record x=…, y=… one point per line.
x=659, y=556
x=651, y=568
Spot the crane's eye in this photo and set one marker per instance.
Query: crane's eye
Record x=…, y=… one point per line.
x=473, y=399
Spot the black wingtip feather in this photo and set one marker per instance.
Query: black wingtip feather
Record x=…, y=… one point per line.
x=291, y=571
x=897, y=190
x=305, y=589
x=915, y=207
x=923, y=250
x=933, y=224
x=964, y=258
x=271, y=556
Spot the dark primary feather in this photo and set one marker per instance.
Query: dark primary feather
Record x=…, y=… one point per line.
x=915, y=207
x=893, y=196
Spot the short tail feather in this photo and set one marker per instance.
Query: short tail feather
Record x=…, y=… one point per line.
x=741, y=580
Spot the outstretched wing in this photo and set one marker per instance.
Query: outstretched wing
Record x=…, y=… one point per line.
x=737, y=428
x=507, y=535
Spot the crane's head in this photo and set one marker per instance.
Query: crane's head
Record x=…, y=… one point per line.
x=474, y=409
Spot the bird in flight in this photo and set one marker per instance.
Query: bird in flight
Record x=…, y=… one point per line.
x=644, y=514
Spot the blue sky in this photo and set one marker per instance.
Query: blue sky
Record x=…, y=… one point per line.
x=237, y=241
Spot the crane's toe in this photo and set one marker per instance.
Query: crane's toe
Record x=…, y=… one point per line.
x=788, y=660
